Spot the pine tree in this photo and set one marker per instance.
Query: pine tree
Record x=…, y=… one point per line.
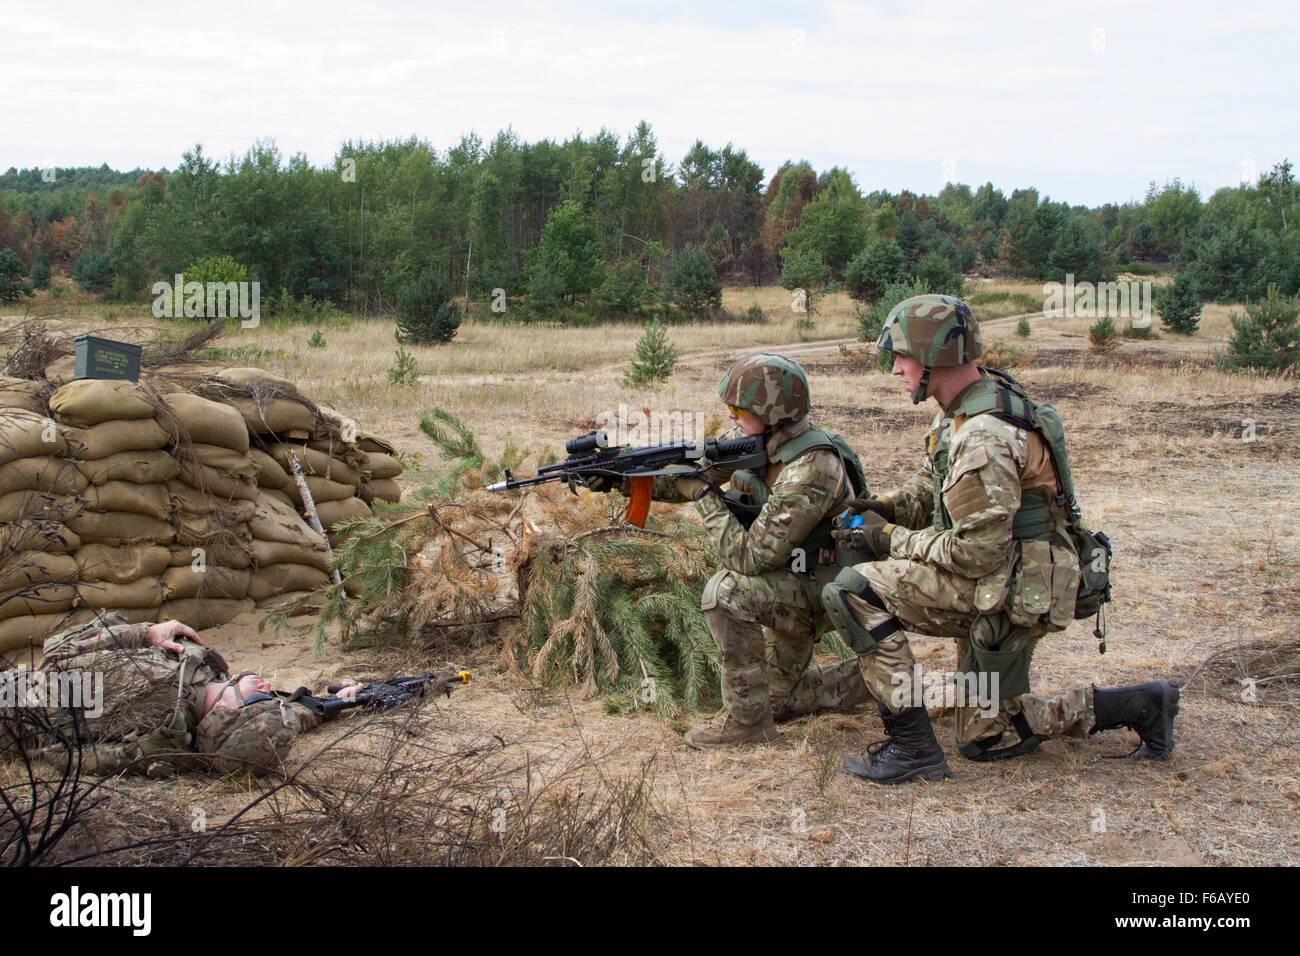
x=41, y=271
x=1266, y=338
x=655, y=359
x=11, y=273
x=426, y=310
x=1179, y=305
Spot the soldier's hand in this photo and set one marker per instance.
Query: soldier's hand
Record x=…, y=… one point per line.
x=871, y=539
x=604, y=483
x=881, y=506
x=164, y=635
x=691, y=488
x=349, y=690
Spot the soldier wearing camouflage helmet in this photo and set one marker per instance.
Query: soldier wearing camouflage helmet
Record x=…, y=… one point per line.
x=763, y=607
x=167, y=704
x=974, y=546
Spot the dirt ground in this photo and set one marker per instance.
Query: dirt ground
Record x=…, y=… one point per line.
x=1192, y=472
x=1198, y=503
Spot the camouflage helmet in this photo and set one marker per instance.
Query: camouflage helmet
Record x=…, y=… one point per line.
x=771, y=387
x=936, y=330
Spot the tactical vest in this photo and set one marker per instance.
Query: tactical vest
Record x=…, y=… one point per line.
x=1003, y=397
x=753, y=490
x=1038, y=516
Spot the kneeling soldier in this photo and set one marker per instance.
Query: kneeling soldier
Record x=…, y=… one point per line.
x=975, y=546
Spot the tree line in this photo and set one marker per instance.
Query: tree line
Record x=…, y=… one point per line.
x=597, y=227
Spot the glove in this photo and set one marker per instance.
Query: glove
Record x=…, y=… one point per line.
x=604, y=483
x=871, y=539
x=881, y=506
x=691, y=488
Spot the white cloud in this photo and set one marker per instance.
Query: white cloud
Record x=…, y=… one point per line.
x=1025, y=95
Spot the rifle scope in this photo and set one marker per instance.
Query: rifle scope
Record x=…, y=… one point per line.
x=588, y=442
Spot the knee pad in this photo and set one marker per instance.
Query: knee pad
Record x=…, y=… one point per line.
x=709, y=599
x=863, y=637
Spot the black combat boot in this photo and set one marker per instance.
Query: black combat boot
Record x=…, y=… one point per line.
x=910, y=752
x=1147, y=708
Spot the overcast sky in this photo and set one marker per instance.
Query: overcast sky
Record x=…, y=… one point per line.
x=1087, y=102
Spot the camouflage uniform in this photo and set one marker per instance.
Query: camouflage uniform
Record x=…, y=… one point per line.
x=151, y=720
x=763, y=606
x=978, y=548
x=972, y=579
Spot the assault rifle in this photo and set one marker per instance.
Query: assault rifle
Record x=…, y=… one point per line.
x=382, y=695
x=591, y=455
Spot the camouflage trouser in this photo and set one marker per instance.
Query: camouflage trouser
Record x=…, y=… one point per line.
x=928, y=600
x=773, y=620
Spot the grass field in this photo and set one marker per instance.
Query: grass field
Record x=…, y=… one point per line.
x=1200, y=508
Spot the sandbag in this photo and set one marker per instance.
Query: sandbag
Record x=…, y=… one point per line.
x=312, y=600
x=382, y=466
x=35, y=534
x=292, y=500
x=89, y=401
x=217, y=484
x=36, y=567
x=204, y=612
x=16, y=633
x=139, y=467
x=25, y=434
x=280, y=552
x=110, y=438
x=372, y=443
x=231, y=463
x=122, y=564
x=385, y=489
x=120, y=527
x=21, y=393
x=55, y=475
x=146, y=592
x=133, y=615
x=278, y=578
x=255, y=376
x=332, y=513
x=151, y=500
x=199, y=530
x=279, y=415
x=314, y=463
x=41, y=599
x=322, y=490
x=213, y=582
x=269, y=472
x=189, y=499
x=340, y=451
x=224, y=552
x=27, y=505
x=208, y=422
x=275, y=521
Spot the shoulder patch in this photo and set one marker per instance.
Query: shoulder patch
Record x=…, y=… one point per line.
x=971, y=460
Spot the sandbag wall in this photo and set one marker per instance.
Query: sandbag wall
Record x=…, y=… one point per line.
x=163, y=502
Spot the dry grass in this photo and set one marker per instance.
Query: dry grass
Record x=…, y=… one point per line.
x=1206, y=562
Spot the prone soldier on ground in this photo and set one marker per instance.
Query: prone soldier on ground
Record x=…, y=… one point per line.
x=169, y=703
